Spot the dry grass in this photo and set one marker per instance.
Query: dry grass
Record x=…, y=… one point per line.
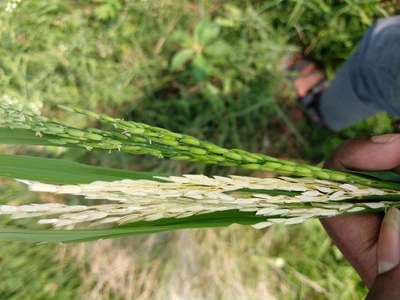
x=201, y=264
x=230, y=263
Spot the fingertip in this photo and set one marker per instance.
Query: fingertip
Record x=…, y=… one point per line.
x=375, y=153
x=385, y=138
x=388, y=254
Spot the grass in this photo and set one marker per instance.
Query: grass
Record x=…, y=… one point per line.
x=33, y=271
x=116, y=58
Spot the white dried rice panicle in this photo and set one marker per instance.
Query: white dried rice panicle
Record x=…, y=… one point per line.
x=183, y=196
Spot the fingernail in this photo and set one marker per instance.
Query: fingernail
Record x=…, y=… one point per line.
x=388, y=253
x=386, y=138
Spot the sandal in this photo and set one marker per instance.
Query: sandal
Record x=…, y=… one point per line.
x=309, y=83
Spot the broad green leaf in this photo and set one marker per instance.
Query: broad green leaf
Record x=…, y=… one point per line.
x=206, y=32
x=219, y=49
x=181, y=58
x=201, y=68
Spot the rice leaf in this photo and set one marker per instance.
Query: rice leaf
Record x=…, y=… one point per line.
x=217, y=219
x=388, y=176
x=60, y=171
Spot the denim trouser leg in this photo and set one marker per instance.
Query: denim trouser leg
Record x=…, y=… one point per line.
x=369, y=82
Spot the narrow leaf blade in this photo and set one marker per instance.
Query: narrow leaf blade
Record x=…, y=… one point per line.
x=60, y=171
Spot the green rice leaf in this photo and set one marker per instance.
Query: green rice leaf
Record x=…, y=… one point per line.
x=60, y=171
x=217, y=219
x=388, y=176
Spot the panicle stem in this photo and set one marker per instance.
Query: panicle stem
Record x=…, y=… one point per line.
x=138, y=138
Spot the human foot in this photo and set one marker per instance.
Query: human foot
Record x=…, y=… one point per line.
x=309, y=85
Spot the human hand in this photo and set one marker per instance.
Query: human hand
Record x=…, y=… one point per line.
x=370, y=242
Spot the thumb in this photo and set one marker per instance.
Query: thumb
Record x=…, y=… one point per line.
x=388, y=250
x=375, y=153
x=388, y=258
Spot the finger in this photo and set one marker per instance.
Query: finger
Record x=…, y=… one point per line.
x=388, y=252
x=386, y=286
x=357, y=236
x=376, y=153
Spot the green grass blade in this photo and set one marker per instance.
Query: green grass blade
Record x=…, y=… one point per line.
x=60, y=171
x=217, y=219
x=388, y=176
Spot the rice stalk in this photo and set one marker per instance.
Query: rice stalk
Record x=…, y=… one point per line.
x=138, y=138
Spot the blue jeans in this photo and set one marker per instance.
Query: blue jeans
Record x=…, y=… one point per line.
x=369, y=81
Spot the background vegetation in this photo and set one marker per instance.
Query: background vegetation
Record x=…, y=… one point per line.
x=213, y=69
